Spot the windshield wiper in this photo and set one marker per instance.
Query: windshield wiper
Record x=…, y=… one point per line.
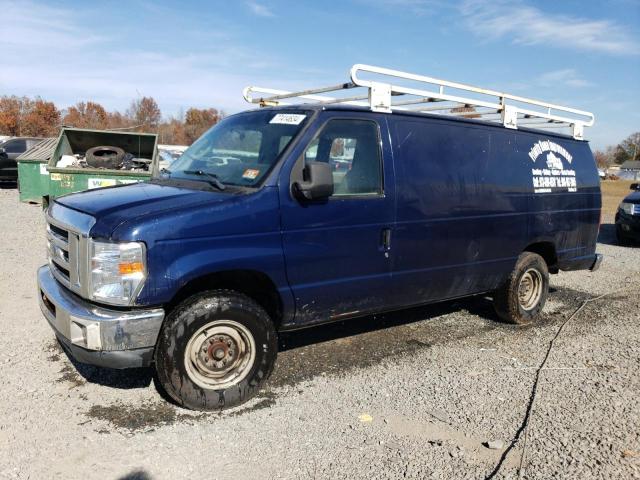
x=214, y=178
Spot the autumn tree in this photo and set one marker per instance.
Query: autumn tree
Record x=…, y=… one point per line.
x=38, y=117
x=10, y=113
x=86, y=115
x=145, y=113
x=24, y=116
x=197, y=121
x=172, y=132
x=118, y=121
x=42, y=119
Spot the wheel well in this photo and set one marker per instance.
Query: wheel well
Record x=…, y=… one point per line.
x=547, y=251
x=254, y=284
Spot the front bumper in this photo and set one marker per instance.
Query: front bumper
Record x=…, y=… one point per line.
x=628, y=225
x=98, y=335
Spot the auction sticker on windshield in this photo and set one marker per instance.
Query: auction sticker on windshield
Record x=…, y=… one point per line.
x=251, y=174
x=288, y=118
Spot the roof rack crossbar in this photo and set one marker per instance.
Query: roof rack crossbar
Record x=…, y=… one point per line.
x=277, y=95
x=512, y=109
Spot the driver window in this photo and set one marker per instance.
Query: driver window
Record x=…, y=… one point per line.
x=352, y=149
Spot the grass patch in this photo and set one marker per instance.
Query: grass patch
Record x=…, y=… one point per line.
x=613, y=191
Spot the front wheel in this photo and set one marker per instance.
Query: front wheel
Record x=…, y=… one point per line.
x=522, y=296
x=620, y=237
x=215, y=350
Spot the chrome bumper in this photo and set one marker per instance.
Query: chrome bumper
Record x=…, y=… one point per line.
x=96, y=329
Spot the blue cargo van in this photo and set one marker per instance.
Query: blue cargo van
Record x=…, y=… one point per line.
x=290, y=216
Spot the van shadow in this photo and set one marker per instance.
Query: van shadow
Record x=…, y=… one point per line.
x=108, y=377
x=375, y=337
x=338, y=347
x=480, y=306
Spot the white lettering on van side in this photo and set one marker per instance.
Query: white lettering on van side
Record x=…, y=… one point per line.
x=547, y=146
x=550, y=175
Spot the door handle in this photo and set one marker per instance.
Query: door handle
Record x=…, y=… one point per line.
x=386, y=239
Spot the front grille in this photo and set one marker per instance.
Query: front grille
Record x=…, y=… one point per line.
x=68, y=246
x=63, y=253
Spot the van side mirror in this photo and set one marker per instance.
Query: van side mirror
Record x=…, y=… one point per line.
x=317, y=183
x=635, y=186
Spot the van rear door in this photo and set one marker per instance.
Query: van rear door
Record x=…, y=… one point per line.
x=337, y=250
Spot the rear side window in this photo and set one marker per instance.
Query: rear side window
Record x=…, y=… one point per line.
x=352, y=149
x=15, y=146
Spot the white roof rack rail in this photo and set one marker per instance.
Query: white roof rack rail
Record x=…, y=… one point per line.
x=426, y=94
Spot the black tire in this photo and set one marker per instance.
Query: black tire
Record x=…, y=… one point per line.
x=620, y=237
x=507, y=301
x=105, y=157
x=180, y=376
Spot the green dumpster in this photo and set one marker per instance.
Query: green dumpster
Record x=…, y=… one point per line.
x=33, y=177
x=76, y=141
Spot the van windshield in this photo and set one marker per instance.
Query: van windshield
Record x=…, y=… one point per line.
x=241, y=149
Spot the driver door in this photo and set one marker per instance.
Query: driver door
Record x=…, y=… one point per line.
x=337, y=250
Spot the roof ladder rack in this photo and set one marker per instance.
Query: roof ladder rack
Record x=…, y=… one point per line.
x=432, y=95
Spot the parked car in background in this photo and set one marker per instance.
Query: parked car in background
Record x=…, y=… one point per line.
x=628, y=217
x=10, y=150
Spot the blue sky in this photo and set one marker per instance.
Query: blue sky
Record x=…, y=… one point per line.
x=585, y=54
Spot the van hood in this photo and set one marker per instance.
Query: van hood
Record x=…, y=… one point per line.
x=113, y=205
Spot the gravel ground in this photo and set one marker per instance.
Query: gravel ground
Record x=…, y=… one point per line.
x=414, y=394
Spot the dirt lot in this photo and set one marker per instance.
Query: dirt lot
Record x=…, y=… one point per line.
x=414, y=394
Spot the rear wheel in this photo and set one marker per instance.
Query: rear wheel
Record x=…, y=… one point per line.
x=521, y=298
x=215, y=350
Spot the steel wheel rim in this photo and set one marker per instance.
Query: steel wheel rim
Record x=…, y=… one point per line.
x=219, y=354
x=530, y=289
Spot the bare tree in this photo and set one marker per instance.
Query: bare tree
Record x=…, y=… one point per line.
x=604, y=159
x=145, y=113
x=630, y=147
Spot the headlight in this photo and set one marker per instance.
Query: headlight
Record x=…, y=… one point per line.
x=627, y=208
x=117, y=271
